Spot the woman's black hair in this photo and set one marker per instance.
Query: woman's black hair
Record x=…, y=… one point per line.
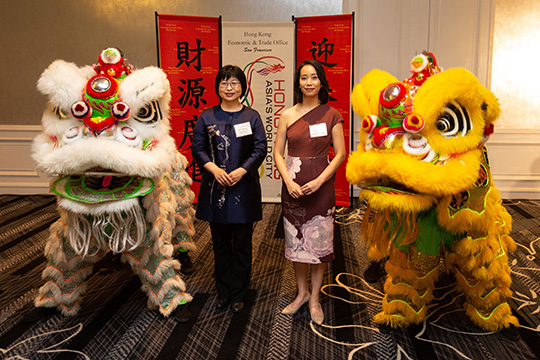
x=325, y=89
x=227, y=72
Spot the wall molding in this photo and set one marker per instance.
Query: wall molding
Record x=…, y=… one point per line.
x=18, y=174
x=514, y=155
x=515, y=162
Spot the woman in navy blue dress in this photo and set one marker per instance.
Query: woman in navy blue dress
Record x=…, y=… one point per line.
x=229, y=146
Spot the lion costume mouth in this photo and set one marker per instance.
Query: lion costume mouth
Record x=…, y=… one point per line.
x=387, y=194
x=406, y=175
x=102, y=179
x=387, y=185
x=400, y=182
x=101, y=185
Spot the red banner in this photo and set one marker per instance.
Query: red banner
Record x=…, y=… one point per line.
x=189, y=55
x=328, y=39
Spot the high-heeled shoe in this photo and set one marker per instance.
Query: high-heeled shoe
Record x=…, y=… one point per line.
x=291, y=310
x=317, y=315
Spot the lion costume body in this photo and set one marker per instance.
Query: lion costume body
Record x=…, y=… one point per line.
x=424, y=171
x=121, y=185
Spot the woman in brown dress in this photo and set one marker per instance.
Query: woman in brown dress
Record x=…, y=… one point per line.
x=308, y=195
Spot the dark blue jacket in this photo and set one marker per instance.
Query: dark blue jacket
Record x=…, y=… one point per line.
x=215, y=140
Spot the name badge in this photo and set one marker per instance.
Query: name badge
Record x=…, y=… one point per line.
x=243, y=129
x=318, y=130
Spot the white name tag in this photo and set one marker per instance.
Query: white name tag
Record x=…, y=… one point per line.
x=243, y=129
x=318, y=130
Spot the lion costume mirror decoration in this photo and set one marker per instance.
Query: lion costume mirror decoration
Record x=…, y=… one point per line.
x=121, y=186
x=423, y=169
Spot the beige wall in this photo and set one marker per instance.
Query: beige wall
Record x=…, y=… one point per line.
x=387, y=32
x=36, y=32
x=516, y=66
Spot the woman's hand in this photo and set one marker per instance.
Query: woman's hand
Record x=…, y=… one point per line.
x=311, y=187
x=236, y=175
x=221, y=176
x=294, y=190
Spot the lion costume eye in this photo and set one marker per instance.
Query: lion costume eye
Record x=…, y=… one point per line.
x=150, y=113
x=454, y=120
x=59, y=113
x=444, y=125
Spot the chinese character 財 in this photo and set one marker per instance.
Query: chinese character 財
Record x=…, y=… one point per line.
x=183, y=51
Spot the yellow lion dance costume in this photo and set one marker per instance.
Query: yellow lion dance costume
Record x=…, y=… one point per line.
x=423, y=169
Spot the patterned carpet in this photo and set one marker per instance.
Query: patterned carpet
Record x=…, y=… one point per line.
x=115, y=324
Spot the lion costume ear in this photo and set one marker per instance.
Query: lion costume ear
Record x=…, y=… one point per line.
x=145, y=85
x=490, y=106
x=365, y=95
x=63, y=82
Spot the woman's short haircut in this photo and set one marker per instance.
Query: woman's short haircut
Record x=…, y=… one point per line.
x=227, y=72
x=324, y=93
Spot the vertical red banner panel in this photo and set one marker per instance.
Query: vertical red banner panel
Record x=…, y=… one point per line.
x=189, y=55
x=328, y=39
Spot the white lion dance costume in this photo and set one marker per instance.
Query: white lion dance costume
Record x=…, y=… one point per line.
x=120, y=183
x=424, y=172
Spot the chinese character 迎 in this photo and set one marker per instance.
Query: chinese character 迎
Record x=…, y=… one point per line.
x=324, y=49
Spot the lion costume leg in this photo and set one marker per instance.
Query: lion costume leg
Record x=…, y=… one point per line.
x=481, y=269
x=164, y=288
x=66, y=273
x=408, y=287
x=182, y=198
x=183, y=229
x=170, y=218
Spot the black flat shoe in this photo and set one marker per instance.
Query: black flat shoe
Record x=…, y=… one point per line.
x=182, y=314
x=222, y=304
x=237, y=307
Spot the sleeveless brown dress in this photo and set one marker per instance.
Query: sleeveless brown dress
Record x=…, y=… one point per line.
x=309, y=221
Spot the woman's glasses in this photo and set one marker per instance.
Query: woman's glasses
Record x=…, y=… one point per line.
x=225, y=84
